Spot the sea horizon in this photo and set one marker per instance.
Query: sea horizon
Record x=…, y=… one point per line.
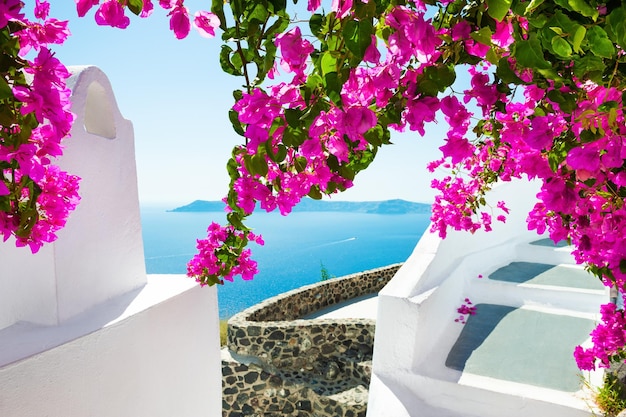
x=296, y=248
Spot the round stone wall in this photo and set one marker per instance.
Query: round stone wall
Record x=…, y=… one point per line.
x=328, y=359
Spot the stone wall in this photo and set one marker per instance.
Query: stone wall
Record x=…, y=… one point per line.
x=299, y=366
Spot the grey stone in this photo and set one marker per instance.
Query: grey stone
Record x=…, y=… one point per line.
x=254, y=331
x=288, y=408
x=303, y=405
x=276, y=335
x=247, y=410
x=251, y=377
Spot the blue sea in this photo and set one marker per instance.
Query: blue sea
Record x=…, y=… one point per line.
x=296, y=247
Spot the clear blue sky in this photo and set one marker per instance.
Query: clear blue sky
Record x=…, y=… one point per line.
x=178, y=98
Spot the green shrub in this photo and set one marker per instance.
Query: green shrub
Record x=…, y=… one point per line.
x=223, y=332
x=611, y=398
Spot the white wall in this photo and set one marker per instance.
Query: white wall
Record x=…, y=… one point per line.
x=83, y=330
x=99, y=254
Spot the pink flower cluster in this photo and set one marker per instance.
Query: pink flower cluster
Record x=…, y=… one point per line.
x=38, y=196
x=210, y=261
x=465, y=310
x=608, y=338
x=113, y=13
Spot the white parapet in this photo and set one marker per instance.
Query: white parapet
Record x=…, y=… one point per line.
x=153, y=352
x=83, y=330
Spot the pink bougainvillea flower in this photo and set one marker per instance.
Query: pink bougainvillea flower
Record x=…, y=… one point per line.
x=42, y=9
x=4, y=190
x=313, y=5
x=413, y=36
x=36, y=35
x=341, y=7
x=206, y=23
x=357, y=120
x=455, y=114
x=421, y=111
x=503, y=36
x=541, y=133
x=461, y=30
x=10, y=10
x=558, y=195
x=585, y=160
x=83, y=6
x=294, y=50
x=168, y=4
x=372, y=54
x=111, y=13
x=148, y=7
x=457, y=149
x=179, y=21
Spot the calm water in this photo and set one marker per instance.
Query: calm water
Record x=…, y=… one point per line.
x=295, y=247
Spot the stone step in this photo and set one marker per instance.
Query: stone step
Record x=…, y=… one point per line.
x=250, y=386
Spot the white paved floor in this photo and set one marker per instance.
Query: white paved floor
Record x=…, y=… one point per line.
x=365, y=307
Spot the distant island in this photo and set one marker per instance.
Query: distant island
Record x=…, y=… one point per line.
x=310, y=205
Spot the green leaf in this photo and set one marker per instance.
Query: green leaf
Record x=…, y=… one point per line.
x=346, y=172
x=5, y=203
x=561, y=47
x=599, y=42
x=278, y=26
x=135, y=6
x=358, y=36
x=436, y=79
x=328, y=63
x=622, y=266
x=293, y=137
x=587, y=136
x=300, y=163
x=498, y=8
x=316, y=23
x=608, y=105
x=281, y=154
x=579, y=6
x=333, y=87
x=217, y=7
x=505, y=72
x=234, y=120
x=5, y=89
x=315, y=193
x=277, y=6
x=557, y=30
x=616, y=26
x=577, y=38
x=235, y=219
x=293, y=117
x=532, y=6
x=482, y=36
x=374, y=136
x=259, y=164
x=566, y=101
x=225, y=62
x=557, y=155
x=257, y=12
x=589, y=66
x=538, y=21
x=529, y=54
